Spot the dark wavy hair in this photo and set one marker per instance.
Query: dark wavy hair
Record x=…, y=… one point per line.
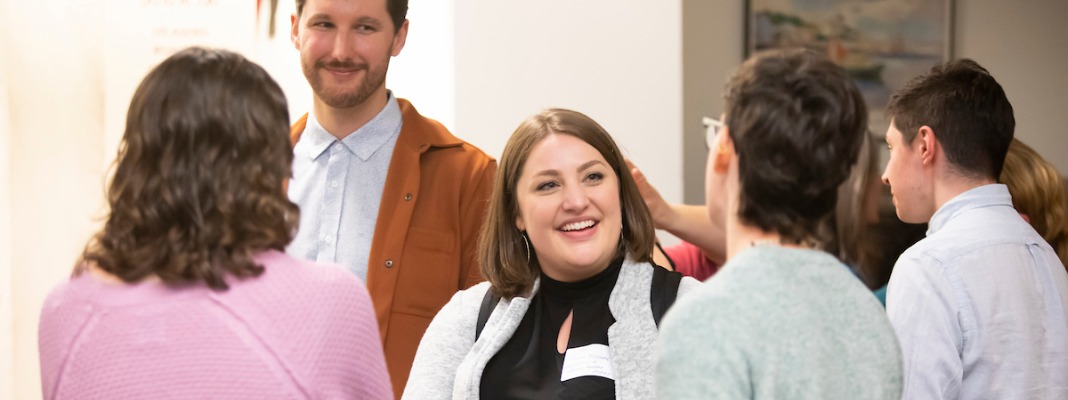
x=968, y=111
x=398, y=11
x=797, y=121
x=501, y=251
x=199, y=180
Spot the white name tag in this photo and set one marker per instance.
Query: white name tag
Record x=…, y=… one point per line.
x=589, y=360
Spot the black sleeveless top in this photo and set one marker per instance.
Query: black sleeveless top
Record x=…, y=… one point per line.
x=529, y=366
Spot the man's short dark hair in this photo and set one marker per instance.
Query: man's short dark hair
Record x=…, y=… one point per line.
x=967, y=110
x=797, y=121
x=398, y=11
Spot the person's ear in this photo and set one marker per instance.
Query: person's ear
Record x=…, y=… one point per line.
x=928, y=144
x=399, y=38
x=294, y=31
x=723, y=152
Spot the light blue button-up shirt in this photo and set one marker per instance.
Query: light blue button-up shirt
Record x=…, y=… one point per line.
x=980, y=305
x=338, y=185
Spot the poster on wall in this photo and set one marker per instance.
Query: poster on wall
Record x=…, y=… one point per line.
x=141, y=33
x=881, y=43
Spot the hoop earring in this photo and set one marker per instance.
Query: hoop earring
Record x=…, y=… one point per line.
x=526, y=244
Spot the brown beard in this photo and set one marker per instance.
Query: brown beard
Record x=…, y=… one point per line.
x=371, y=81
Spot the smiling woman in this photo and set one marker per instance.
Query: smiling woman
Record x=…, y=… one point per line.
x=563, y=190
x=573, y=301
x=569, y=208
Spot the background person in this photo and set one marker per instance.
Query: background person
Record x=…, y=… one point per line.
x=847, y=233
x=186, y=293
x=386, y=192
x=981, y=304
x=566, y=248
x=793, y=126
x=1038, y=194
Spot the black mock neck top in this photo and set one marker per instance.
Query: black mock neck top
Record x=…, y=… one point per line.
x=529, y=366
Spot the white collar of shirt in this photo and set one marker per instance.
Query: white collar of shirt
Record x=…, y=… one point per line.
x=995, y=194
x=364, y=142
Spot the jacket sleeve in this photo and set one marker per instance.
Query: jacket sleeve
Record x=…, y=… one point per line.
x=472, y=216
x=444, y=346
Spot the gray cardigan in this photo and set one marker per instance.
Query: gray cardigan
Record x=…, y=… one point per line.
x=449, y=361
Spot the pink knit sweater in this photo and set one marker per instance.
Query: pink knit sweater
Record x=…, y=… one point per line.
x=298, y=331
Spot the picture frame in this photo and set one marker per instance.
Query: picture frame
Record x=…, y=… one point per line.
x=881, y=43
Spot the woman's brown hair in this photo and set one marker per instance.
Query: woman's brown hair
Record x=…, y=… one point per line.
x=502, y=252
x=199, y=179
x=1038, y=192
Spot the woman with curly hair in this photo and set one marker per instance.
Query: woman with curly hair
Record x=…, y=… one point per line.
x=186, y=292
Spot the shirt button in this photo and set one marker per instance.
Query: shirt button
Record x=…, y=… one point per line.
x=389, y=263
x=408, y=197
x=327, y=239
x=333, y=184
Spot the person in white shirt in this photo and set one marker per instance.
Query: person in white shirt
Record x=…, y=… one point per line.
x=980, y=305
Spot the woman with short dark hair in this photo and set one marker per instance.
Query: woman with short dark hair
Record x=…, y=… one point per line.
x=186, y=292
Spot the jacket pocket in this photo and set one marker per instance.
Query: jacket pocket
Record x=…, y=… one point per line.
x=429, y=274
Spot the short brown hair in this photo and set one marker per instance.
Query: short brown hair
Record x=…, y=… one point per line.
x=398, y=11
x=199, y=178
x=966, y=108
x=501, y=250
x=797, y=121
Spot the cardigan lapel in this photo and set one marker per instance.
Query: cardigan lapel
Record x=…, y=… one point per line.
x=631, y=338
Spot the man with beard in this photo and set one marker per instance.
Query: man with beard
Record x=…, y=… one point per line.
x=383, y=191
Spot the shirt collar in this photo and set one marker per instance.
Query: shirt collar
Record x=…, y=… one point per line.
x=364, y=142
x=995, y=194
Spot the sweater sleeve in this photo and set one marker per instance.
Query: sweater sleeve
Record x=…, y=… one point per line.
x=444, y=346
x=60, y=325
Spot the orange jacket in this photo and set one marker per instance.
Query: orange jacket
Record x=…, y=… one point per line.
x=423, y=249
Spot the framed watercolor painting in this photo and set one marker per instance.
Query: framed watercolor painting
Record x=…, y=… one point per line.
x=881, y=43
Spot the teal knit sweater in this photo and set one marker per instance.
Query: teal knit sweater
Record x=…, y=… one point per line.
x=779, y=323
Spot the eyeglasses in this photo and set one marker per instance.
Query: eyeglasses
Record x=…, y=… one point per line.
x=712, y=128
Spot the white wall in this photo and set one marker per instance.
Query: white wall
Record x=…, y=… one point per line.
x=618, y=61
x=278, y=56
x=7, y=311
x=56, y=122
x=425, y=71
x=1024, y=45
